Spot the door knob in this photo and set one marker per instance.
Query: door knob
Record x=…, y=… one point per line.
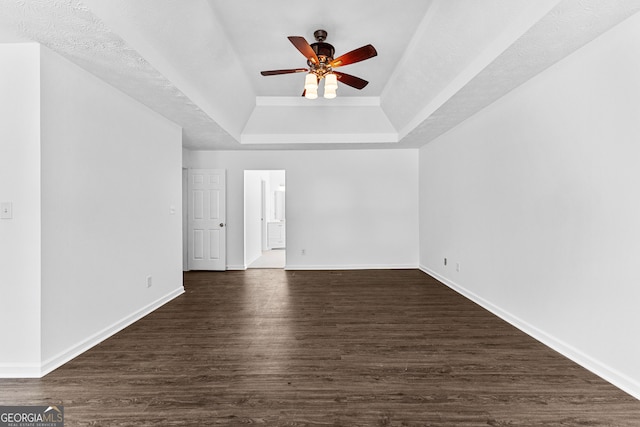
x=221, y=224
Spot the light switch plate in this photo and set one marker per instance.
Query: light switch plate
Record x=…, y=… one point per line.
x=6, y=210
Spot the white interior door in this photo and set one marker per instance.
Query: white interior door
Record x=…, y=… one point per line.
x=207, y=219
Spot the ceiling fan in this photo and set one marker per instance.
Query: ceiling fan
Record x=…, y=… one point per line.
x=321, y=65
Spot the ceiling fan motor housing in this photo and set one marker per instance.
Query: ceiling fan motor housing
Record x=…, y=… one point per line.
x=324, y=51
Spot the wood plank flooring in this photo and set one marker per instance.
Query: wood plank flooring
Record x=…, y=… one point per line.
x=323, y=348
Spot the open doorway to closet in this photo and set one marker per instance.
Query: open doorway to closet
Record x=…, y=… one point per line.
x=264, y=219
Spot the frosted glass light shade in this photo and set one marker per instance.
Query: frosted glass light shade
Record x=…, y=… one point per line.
x=311, y=82
x=329, y=93
x=331, y=82
x=311, y=93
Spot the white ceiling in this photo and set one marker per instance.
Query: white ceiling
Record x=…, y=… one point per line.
x=197, y=62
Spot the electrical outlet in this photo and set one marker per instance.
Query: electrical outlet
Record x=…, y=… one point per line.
x=6, y=210
x=303, y=251
x=149, y=281
x=457, y=266
x=445, y=261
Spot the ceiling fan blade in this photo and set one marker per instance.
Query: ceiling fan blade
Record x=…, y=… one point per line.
x=357, y=55
x=289, y=71
x=350, y=80
x=301, y=44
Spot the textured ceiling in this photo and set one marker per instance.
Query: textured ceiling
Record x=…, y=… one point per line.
x=197, y=62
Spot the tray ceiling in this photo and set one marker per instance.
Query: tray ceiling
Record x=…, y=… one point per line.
x=197, y=62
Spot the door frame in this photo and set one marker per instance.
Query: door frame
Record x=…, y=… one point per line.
x=185, y=219
x=265, y=207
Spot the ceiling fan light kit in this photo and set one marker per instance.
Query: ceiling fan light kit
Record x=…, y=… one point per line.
x=311, y=94
x=331, y=82
x=330, y=85
x=329, y=93
x=321, y=64
x=311, y=82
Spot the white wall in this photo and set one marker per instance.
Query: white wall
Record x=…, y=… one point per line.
x=111, y=173
x=253, y=214
x=536, y=198
x=347, y=209
x=93, y=176
x=20, y=184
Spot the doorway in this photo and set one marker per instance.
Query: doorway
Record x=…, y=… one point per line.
x=264, y=219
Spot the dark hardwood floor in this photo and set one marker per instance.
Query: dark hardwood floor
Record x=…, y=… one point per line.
x=322, y=348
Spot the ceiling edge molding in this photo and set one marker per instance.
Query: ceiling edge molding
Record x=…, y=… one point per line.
x=299, y=101
x=508, y=37
x=320, y=138
x=125, y=19
x=576, y=22
x=70, y=29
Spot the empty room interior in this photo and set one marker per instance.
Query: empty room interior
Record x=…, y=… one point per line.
x=358, y=213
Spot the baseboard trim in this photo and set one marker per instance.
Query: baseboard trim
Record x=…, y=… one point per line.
x=20, y=370
x=236, y=267
x=353, y=267
x=49, y=365
x=613, y=376
x=55, y=362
